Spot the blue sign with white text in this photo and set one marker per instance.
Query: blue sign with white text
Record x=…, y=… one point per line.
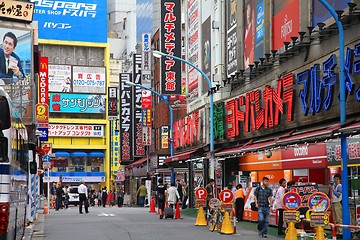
x=83, y=20
x=76, y=103
x=44, y=134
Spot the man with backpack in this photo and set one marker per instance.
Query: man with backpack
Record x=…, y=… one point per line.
x=263, y=200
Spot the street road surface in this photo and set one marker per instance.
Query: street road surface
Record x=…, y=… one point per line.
x=128, y=224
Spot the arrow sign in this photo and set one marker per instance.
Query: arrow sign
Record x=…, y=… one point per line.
x=46, y=158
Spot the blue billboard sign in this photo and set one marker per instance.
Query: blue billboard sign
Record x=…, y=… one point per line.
x=84, y=20
x=76, y=103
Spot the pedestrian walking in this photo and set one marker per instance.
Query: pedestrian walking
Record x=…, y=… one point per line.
x=239, y=202
x=185, y=195
x=99, y=198
x=160, y=192
x=179, y=189
x=83, y=197
x=110, y=199
x=172, y=195
x=278, y=205
x=336, y=198
x=104, y=197
x=263, y=200
x=210, y=192
x=141, y=192
x=66, y=197
x=59, y=196
x=120, y=196
x=53, y=188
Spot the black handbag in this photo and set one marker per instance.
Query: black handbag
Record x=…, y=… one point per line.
x=253, y=207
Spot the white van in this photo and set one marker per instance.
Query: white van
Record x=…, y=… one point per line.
x=73, y=195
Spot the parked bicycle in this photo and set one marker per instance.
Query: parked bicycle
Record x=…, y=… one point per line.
x=215, y=215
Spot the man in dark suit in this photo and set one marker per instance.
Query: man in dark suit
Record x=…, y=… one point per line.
x=10, y=66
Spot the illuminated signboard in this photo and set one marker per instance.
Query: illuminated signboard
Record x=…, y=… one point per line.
x=67, y=130
x=76, y=103
x=247, y=110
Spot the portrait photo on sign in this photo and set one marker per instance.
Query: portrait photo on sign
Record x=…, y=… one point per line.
x=15, y=55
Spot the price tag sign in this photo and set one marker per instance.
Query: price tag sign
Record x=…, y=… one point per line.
x=292, y=216
x=318, y=202
x=200, y=203
x=319, y=219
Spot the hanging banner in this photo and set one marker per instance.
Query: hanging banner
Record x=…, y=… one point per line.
x=138, y=147
x=146, y=60
x=112, y=103
x=44, y=81
x=114, y=148
x=171, y=44
x=232, y=60
x=126, y=120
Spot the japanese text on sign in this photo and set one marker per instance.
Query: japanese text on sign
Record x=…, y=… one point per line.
x=21, y=11
x=76, y=130
x=77, y=103
x=171, y=45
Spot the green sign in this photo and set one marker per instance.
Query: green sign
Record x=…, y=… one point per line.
x=219, y=122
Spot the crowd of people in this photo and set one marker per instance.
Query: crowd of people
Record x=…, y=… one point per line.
x=60, y=196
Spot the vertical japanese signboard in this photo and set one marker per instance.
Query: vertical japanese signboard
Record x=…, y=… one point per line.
x=193, y=48
x=232, y=38
x=206, y=52
x=114, y=148
x=171, y=44
x=146, y=96
x=219, y=121
x=126, y=120
x=139, y=149
x=112, y=101
x=164, y=137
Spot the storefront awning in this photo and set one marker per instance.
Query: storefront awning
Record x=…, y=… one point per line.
x=232, y=151
x=96, y=154
x=79, y=154
x=139, y=162
x=62, y=154
x=309, y=135
x=351, y=128
x=258, y=146
x=179, y=157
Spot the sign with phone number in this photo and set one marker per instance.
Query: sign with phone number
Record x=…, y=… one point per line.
x=89, y=79
x=319, y=219
x=291, y=216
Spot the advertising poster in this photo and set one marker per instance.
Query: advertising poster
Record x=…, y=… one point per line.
x=206, y=53
x=171, y=44
x=249, y=32
x=139, y=149
x=60, y=78
x=126, y=120
x=89, y=79
x=193, y=49
x=321, y=14
x=114, y=148
x=76, y=103
x=83, y=20
x=259, y=29
x=15, y=55
x=286, y=21
x=232, y=61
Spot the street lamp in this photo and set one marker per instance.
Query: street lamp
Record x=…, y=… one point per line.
x=345, y=193
x=159, y=54
x=162, y=98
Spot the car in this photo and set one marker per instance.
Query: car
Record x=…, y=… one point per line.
x=73, y=195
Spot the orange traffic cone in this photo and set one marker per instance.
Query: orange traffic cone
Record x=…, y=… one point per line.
x=46, y=208
x=177, y=211
x=152, y=205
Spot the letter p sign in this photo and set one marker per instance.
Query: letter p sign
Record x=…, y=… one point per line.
x=226, y=196
x=201, y=193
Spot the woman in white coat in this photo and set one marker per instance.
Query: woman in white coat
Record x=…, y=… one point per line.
x=172, y=195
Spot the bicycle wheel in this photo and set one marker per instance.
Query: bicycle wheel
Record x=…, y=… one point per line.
x=213, y=222
x=219, y=221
